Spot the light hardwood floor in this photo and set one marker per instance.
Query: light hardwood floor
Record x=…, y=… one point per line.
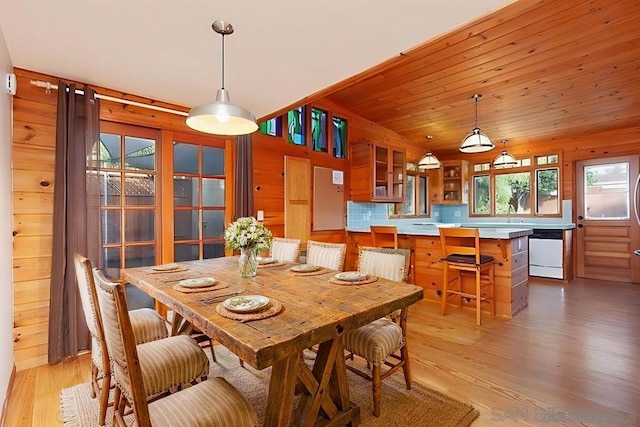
x=571, y=358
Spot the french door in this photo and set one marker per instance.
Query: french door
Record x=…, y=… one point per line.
x=607, y=230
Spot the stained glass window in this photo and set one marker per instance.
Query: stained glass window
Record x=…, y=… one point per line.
x=318, y=130
x=339, y=138
x=272, y=126
x=297, y=125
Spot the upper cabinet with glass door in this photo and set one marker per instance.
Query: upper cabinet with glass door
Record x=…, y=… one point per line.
x=455, y=181
x=377, y=172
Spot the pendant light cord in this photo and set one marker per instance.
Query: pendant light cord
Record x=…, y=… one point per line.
x=223, y=66
x=476, y=98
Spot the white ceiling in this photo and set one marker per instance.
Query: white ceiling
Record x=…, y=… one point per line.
x=281, y=51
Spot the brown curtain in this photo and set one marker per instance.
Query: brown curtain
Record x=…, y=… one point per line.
x=77, y=131
x=244, y=177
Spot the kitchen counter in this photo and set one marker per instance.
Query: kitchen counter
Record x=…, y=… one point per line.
x=432, y=230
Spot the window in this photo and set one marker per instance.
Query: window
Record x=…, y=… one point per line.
x=532, y=187
x=318, y=130
x=297, y=125
x=606, y=191
x=416, y=197
x=272, y=127
x=339, y=138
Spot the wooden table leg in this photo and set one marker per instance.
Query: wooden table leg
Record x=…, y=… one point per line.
x=281, y=391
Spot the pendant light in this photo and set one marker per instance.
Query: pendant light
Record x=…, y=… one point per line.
x=504, y=160
x=222, y=117
x=429, y=161
x=476, y=141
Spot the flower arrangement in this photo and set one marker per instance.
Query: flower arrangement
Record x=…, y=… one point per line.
x=247, y=232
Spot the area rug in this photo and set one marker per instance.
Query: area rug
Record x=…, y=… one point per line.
x=419, y=407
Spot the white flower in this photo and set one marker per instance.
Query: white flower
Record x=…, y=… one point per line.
x=247, y=232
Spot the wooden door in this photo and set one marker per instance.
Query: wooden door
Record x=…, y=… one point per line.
x=297, y=198
x=607, y=230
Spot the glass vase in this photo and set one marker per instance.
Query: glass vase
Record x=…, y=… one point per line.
x=248, y=262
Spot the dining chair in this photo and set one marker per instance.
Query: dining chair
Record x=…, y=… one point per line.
x=327, y=255
x=146, y=323
x=284, y=249
x=211, y=402
x=383, y=341
x=386, y=236
x=461, y=252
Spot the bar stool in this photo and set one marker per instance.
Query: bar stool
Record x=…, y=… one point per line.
x=386, y=236
x=461, y=251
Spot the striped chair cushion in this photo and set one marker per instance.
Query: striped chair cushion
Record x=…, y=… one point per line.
x=375, y=341
x=328, y=255
x=285, y=249
x=147, y=325
x=391, y=264
x=214, y=402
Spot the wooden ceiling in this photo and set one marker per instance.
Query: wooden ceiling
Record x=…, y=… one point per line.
x=545, y=70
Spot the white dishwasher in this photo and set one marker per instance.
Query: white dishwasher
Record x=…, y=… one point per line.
x=545, y=253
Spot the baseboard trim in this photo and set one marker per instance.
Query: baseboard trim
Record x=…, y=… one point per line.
x=7, y=397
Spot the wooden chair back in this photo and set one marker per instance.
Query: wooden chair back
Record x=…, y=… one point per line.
x=460, y=241
x=384, y=236
x=122, y=345
x=388, y=263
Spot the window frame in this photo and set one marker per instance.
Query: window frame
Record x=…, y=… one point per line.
x=395, y=207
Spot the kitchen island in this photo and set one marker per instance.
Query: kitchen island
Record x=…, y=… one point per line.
x=508, y=246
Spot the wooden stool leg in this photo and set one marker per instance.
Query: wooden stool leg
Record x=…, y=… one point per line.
x=445, y=280
x=492, y=290
x=478, y=297
x=377, y=386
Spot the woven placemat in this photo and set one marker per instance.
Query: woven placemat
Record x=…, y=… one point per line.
x=274, y=308
x=273, y=264
x=318, y=272
x=368, y=279
x=216, y=286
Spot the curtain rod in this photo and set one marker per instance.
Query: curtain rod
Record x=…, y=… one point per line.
x=48, y=86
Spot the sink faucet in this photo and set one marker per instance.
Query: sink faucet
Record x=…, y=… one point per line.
x=509, y=213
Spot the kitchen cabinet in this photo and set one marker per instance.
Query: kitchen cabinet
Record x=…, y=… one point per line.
x=378, y=172
x=455, y=181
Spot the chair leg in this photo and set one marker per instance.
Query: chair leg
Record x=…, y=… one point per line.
x=406, y=369
x=104, y=398
x=213, y=352
x=492, y=290
x=116, y=406
x=94, y=380
x=478, y=297
x=445, y=282
x=377, y=389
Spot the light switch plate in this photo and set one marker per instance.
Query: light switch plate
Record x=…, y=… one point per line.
x=260, y=216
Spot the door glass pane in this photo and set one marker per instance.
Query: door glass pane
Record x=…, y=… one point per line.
x=110, y=188
x=212, y=192
x=110, y=226
x=213, y=250
x=513, y=191
x=212, y=161
x=606, y=191
x=185, y=225
x=110, y=151
x=140, y=190
x=212, y=224
x=185, y=158
x=481, y=195
x=140, y=153
x=111, y=262
x=139, y=256
x=140, y=225
x=381, y=171
x=547, y=195
x=186, y=191
x=186, y=252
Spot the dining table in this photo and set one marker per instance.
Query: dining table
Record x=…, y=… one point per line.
x=310, y=310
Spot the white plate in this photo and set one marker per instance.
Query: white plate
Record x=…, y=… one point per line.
x=304, y=268
x=200, y=282
x=350, y=276
x=265, y=260
x=166, y=267
x=246, y=303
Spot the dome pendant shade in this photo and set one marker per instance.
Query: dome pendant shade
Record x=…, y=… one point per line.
x=504, y=160
x=476, y=141
x=429, y=161
x=222, y=117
